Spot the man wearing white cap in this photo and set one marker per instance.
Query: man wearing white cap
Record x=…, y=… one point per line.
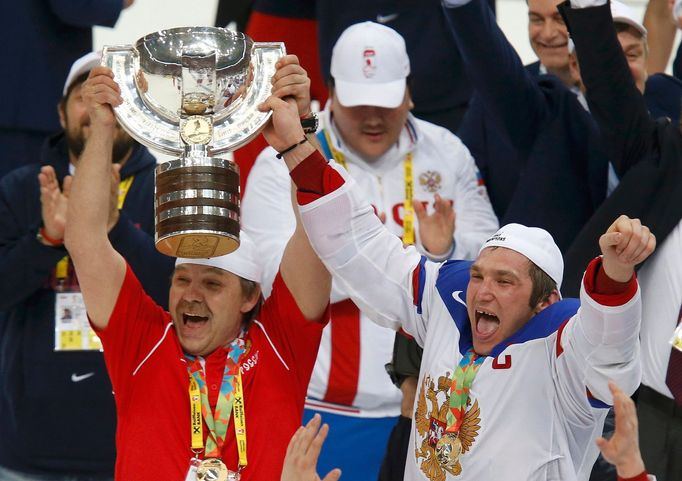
x=411, y=171
x=514, y=382
x=55, y=395
x=214, y=388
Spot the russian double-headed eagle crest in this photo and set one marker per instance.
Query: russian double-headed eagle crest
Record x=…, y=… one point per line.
x=431, y=181
x=430, y=421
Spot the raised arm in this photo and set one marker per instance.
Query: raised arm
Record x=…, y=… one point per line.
x=345, y=232
x=99, y=267
x=304, y=274
x=493, y=66
x=615, y=103
x=602, y=341
x=661, y=32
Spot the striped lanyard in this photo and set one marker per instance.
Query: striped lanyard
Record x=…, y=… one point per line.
x=459, y=389
x=230, y=402
x=62, y=269
x=408, y=208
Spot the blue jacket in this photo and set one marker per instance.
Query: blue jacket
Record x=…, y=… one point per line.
x=49, y=423
x=538, y=149
x=39, y=40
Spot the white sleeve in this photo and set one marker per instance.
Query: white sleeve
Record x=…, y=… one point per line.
x=475, y=220
x=267, y=215
x=374, y=267
x=600, y=343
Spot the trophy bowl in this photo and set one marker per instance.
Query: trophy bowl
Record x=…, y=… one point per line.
x=193, y=92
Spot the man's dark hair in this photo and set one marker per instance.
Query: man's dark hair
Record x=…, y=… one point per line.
x=543, y=285
x=248, y=288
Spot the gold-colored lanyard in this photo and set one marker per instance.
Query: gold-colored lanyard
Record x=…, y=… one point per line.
x=408, y=208
x=197, y=425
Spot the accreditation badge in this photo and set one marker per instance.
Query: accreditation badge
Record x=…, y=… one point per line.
x=676, y=340
x=72, y=331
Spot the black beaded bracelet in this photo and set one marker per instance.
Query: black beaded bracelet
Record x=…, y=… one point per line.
x=285, y=151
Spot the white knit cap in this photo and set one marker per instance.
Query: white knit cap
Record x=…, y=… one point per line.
x=83, y=65
x=242, y=262
x=534, y=243
x=369, y=66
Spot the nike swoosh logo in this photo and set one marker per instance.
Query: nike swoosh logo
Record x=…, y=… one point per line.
x=456, y=296
x=386, y=18
x=81, y=377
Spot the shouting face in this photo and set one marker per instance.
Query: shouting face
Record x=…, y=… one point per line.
x=207, y=305
x=498, y=297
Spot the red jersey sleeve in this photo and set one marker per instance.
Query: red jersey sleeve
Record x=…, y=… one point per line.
x=314, y=177
x=136, y=325
x=605, y=290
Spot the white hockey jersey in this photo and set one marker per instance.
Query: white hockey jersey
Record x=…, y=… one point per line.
x=349, y=376
x=534, y=409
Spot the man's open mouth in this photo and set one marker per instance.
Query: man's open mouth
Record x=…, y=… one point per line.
x=486, y=323
x=193, y=319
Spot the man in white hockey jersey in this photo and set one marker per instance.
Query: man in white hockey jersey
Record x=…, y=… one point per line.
x=514, y=381
x=407, y=169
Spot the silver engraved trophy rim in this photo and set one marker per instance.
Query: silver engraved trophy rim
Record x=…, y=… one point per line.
x=232, y=128
x=193, y=93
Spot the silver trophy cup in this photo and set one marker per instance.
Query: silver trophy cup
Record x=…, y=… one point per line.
x=193, y=92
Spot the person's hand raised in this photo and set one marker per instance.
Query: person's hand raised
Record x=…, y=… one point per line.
x=625, y=244
x=300, y=462
x=101, y=93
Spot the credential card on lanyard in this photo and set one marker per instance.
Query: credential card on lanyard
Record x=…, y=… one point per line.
x=72, y=331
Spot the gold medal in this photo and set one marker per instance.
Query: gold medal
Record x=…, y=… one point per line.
x=448, y=450
x=213, y=469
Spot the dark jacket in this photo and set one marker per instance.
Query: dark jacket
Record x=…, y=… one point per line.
x=647, y=153
x=39, y=40
x=439, y=88
x=49, y=423
x=538, y=149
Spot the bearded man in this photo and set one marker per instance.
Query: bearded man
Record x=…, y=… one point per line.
x=55, y=395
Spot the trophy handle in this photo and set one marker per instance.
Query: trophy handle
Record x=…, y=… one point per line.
x=133, y=114
x=239, y=124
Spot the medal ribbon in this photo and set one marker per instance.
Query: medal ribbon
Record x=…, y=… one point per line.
x=231, y=395
x=408, y=208
x=459, y=389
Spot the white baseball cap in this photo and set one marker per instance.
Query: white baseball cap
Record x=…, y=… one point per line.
x=620, y=13
x=369, y=66
x=534, y=243
x=242, y=262
x=83, y=65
